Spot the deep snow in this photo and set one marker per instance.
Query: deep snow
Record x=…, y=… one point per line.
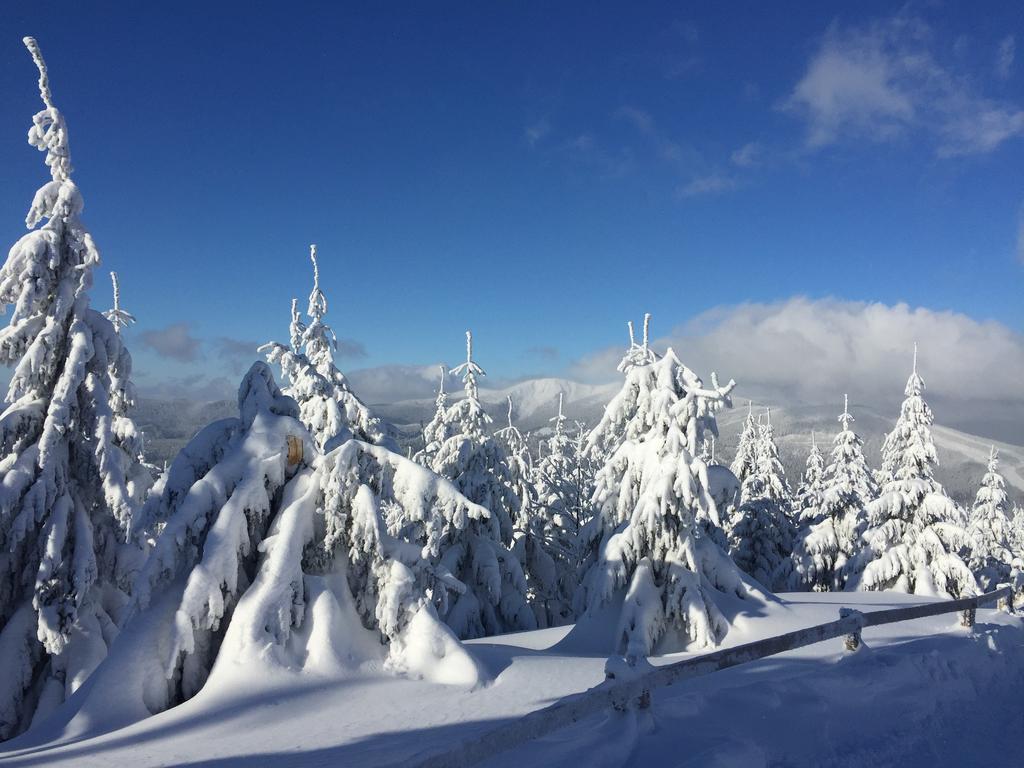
x=921, y=693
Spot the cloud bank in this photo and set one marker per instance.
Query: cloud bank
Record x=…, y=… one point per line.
x=813, y=351
x=796, y=351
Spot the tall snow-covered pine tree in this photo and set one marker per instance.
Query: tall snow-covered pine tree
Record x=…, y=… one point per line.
x=990, y=538
x=476, y=463
x=69, y=453
x=761, y=533
x=651, y=493
x=914, y=536
x=327, y=403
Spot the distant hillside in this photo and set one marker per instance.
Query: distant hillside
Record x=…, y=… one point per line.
x=168, y=424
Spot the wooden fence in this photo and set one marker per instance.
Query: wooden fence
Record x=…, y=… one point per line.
x=630, y=684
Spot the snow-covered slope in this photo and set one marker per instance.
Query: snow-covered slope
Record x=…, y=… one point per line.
x=922, y=693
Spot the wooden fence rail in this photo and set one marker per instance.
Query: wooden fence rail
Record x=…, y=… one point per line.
x=629, y=684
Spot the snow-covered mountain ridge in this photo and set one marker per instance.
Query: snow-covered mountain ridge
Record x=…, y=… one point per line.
x=169, y=423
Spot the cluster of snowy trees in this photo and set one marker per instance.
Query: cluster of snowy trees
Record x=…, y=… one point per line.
x=849, y=528
x=295, y=534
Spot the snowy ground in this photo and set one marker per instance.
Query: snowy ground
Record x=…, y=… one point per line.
x=922, y=693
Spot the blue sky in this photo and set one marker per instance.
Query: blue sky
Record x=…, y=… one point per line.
x=539, y=172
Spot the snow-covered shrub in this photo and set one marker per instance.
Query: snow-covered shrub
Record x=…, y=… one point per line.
x=914, y=535
x=327, y=404
x=651, y=493
x=70, y=470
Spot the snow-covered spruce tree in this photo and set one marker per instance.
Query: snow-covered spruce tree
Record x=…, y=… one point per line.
x=555, y=524
x=68, y=451
x=530, y=542
x=563, y=478
x=826, y=549
x=651, y=495
x=601, y=446
x=744, y=464
x=1017, y=532
x=438, y=429
x=807, y=504
x=990, y=535
x=914, y=536
x=520, y=468
x=122, y=400
x=327, y=404
x=478, y=466
x=271, y=549
x=761, y=533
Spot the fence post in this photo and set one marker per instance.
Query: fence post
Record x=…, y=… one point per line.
x=967, y=617
x=1006, y=602
x=625, y=670
x=851, y=642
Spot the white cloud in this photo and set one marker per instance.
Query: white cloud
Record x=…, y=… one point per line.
x=238, y=354
x=812, y=351
x=883, y=81
x=713, y=184
x=395, y=383
x=638, y=118
x=196, y=387
x=537, y=131
x=668, y=150
x=747, y=155
x=1004, y=57
x=175, y=342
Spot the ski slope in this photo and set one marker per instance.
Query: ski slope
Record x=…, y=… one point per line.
x=921, y=693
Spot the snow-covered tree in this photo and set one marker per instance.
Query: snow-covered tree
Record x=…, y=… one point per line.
x=707, y=451
x=990, y=535
x=914, y=535
x=601, y=446
x=520, y=468
x=438, y=429
x=825, y=549
x=119, y=318
x=559, y=512
x=534, y=542
x=1017, y=531
x=271, y=549
x=807, y=503
x=761, y=533
x=327, y=404
x=122, y=400
x=651, y=494
x=70, y=476
x=744, y=464
x=478, y=466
